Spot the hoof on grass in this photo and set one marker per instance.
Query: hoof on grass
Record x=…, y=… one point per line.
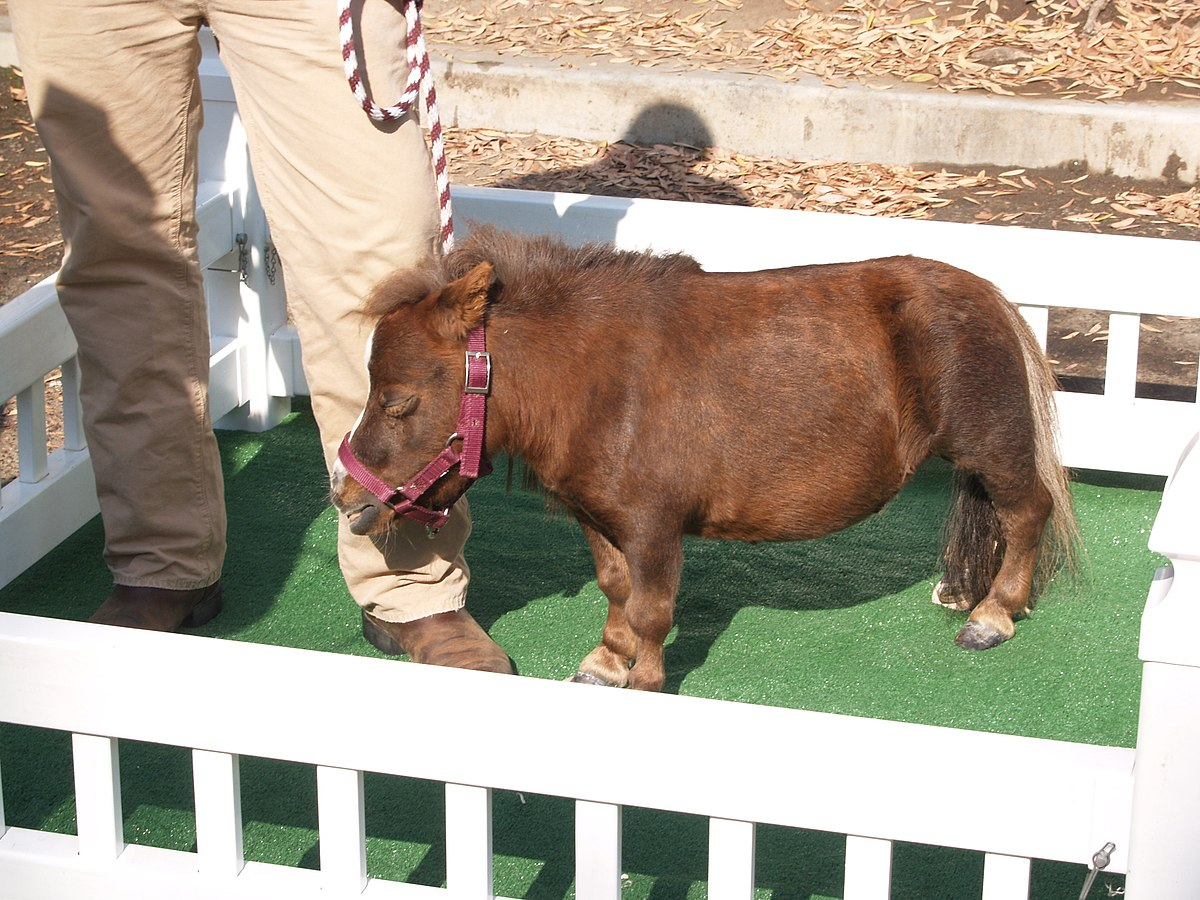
x=589, y=678
x=976, y=636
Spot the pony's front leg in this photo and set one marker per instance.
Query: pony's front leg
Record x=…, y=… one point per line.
x=654, y=570
x=609, y=663
x=640, y=584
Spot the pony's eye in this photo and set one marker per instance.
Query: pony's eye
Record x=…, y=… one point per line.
x=398, y=403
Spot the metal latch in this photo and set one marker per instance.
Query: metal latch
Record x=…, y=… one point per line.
x=243, y=259
x=1100, y=860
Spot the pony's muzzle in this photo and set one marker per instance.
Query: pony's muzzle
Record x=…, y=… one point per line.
x=364, y=520
x=362, y=512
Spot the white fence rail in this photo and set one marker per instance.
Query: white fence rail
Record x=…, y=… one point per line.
x=1070, y=800
x=1122, y=278
x=683, y=754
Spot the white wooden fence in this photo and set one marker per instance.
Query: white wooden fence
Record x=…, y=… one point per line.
x=1070, y=800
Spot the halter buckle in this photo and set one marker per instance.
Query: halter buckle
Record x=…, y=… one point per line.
x=473, y=359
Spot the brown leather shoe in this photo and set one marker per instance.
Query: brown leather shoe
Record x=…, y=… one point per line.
x=158, y=609
x=445, y=639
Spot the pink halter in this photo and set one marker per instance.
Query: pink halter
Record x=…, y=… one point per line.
x=472, y=412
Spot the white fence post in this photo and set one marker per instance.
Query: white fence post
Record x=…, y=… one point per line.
x=249, y=305
x=1163, y=859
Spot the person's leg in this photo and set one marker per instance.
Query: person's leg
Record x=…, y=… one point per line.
x=348, y=202
x=113, y=90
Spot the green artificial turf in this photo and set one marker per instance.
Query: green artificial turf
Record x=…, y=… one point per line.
x=840, y=625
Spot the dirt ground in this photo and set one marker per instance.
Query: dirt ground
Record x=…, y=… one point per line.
x=30, y=244
x=1066, y=199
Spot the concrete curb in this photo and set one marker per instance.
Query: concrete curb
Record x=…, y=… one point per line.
x=762, y=116
x=8, y=45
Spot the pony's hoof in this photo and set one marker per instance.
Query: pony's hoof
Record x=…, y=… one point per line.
x=589, y=678
x=943, y=598
x=976, y=636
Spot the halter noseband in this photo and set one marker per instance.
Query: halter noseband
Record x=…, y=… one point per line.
x=472, y=412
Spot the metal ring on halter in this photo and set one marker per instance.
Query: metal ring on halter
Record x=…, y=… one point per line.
x=454, y=437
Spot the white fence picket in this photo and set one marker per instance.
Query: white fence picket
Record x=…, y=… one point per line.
x=98, y=796
x=597, y=850
x=868, y=869
x=54, y=493
x=468, y=839
x=34, y=338
x=1038, y=318
x=217, y=779
x=72, y=411
x=1005, y=877
x=730, y=859
x=1120, y=371
x=33, y=459
x=341, y=825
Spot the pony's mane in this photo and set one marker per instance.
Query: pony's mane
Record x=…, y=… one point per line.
x=519, y=256
x=404, y=287
x=518, y=259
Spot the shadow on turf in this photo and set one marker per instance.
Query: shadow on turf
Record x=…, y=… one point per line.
x=521, y=553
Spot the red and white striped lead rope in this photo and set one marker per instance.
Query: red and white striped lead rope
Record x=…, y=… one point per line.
x=420, y=83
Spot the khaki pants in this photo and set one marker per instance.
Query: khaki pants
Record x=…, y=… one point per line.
x=115, y=95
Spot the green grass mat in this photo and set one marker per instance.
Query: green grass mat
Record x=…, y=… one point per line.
x=840, y=625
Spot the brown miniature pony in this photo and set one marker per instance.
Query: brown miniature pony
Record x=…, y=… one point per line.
x=655, y=399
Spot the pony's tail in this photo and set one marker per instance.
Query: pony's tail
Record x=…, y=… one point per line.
x=1061, y=546
x=972, y=530
x=972, y=544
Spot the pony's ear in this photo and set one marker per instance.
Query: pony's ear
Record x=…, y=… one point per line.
x=462, y=302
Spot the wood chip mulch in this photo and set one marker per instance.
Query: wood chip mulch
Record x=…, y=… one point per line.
x=1090, y=49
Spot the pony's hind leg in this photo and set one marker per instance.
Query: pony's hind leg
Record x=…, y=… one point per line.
x=1021, y=515
x=998, y=430
x=609, y=663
